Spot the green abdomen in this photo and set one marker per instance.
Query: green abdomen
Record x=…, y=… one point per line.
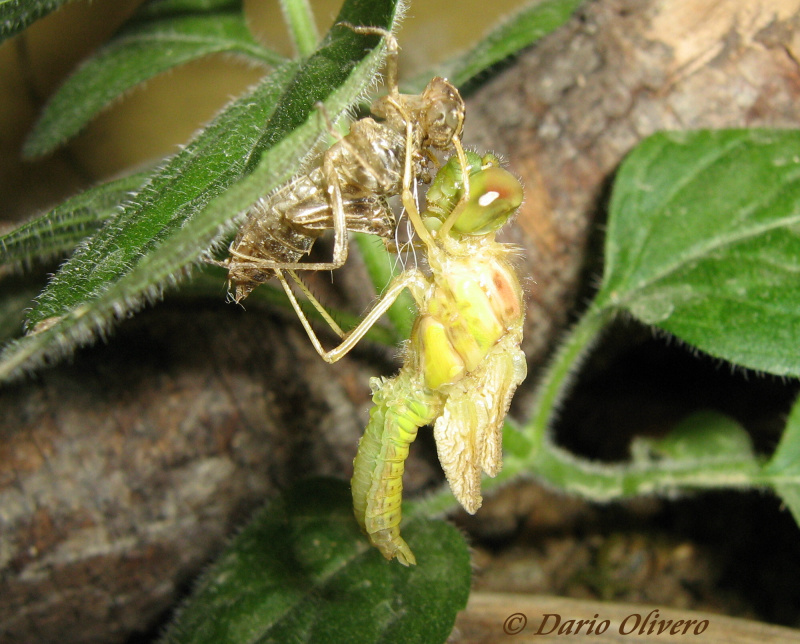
x=377, y=484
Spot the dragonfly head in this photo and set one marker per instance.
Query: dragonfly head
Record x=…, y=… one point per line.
x=494, y=196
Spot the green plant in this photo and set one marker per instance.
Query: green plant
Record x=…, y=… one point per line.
x=702, y=227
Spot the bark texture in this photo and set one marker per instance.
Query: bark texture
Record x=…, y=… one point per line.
x=122, y=474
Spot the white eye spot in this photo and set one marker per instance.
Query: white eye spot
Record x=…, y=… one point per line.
x=487, y=198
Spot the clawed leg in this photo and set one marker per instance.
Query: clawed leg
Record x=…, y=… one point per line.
x=223, y=263
x=407, y=196
x=340, y=246
x=409, y=181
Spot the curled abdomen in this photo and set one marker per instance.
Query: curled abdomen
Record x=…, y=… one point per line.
x=377, y=484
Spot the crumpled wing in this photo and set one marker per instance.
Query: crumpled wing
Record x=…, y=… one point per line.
x=469, y=433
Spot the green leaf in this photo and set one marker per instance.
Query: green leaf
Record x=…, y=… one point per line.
x=256, y=144
x=705, y=436
x=704, y=242
x=510, y=36
x=15, y=15
x=187, y=182
x=141, y=50
x=300, y=571
x=57, y=232
x=783, y=469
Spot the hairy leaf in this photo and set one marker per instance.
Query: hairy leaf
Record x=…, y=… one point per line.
x=58, y=232
x=256, y=144
x=15, y=15
x=302, y=572
x=140, y=50
x=704, y=242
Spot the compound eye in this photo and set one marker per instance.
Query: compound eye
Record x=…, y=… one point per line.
x=494, y=195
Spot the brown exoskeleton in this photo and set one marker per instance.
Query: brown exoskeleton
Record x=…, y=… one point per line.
x=350, y=185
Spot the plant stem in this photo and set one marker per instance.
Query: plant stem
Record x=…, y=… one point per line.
x=557, y=377
x=602, y=483
x=300, y=21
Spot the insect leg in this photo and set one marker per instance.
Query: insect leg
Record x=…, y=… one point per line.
x=413, y=280
x=340, y=246
x=317, y=305
x=407, y=196
x=337, y=206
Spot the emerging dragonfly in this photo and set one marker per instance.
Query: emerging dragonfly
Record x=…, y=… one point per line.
x=349, y=187
x=463, y=362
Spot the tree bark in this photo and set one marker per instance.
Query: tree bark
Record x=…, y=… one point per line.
x=122, y=474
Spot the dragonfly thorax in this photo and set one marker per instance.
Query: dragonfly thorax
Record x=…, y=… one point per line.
x=474, y=301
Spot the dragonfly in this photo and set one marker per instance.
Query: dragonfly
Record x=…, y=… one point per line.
x=463, y=361
x=349, y=186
